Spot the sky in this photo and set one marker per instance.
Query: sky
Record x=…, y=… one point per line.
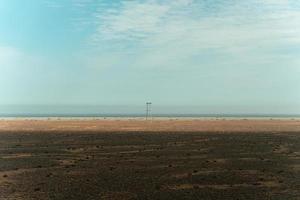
x=211, y=56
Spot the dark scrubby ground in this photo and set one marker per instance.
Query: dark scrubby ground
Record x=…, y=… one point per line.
x=140, y=165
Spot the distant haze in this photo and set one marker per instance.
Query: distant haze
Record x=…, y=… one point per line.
x=186, y=56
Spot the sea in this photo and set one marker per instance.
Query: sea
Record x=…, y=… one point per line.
x=88, y=112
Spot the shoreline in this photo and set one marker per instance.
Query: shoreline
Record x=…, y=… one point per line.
x=90, y=118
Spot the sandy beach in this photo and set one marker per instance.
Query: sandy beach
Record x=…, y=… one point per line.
x=165, y=125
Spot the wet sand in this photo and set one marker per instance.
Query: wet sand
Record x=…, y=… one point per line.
x=135, y=159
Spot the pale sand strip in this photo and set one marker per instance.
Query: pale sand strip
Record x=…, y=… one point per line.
x=193, y=125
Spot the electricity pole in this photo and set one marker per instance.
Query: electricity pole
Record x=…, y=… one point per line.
x=148, y=110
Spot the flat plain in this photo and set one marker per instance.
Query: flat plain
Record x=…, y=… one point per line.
x=160, y=159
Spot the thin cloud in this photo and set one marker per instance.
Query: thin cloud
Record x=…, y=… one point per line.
x=53, y=4
x=172, y=33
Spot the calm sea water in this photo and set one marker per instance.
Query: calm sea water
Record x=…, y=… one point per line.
x=82, y=112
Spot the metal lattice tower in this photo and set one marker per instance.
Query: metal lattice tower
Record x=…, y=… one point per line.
x=148, y=110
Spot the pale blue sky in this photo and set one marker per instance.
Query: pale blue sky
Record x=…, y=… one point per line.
x=218, y=55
